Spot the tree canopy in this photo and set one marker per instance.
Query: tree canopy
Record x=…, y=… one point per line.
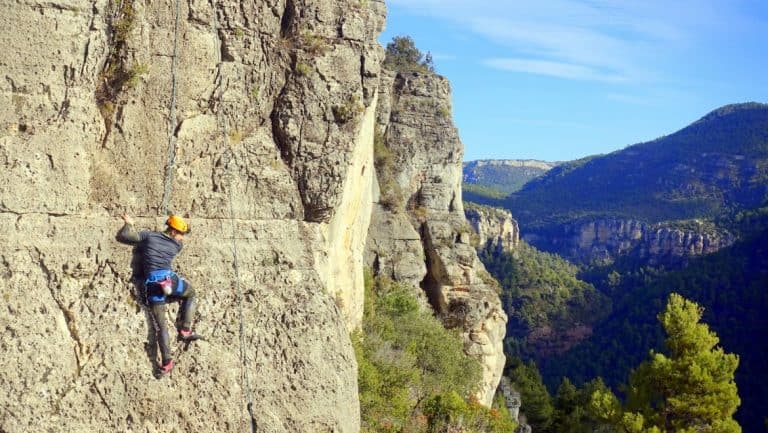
x=403, y=56
x=690, y=389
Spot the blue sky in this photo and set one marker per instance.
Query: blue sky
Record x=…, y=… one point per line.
x=562, y=79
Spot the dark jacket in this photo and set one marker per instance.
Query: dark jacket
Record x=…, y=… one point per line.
x=157, y=250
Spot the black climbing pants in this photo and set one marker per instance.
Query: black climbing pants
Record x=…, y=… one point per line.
x=184, y=319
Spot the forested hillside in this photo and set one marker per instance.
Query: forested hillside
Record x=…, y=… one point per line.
x=730, y=285
x=499, y=178
x=625, y=215
x=715, y=165
x=549, y=308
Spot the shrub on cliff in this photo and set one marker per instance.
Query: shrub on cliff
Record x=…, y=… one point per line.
x=409, y=366
x=403, y=56
x=392, y=195
x=450, y=413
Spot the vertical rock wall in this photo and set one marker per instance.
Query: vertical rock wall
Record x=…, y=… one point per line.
x=342, y=258
x=496, y=230
x=420, y=221
x=252, y=130
x=605, y=239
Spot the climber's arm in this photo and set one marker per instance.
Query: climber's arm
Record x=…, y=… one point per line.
x=128, y=233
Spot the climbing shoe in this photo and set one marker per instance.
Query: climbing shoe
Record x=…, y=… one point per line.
x=167, y=366
x=188, y=335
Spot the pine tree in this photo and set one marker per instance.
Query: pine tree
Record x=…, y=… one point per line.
x=536, y=402
x=402, y=55
x=568, y=412
x=690, y=390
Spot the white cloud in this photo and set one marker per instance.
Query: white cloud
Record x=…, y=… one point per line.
x=553, y=69
x=603, y=40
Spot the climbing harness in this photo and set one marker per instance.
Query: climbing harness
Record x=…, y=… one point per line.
x=164, y=279
x=172, y=118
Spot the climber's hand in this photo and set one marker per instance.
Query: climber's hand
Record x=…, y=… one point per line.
x=127, y=219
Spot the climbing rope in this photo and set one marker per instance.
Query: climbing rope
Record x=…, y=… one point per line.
x=172, y=118
x=229, y=159
x=243, y=354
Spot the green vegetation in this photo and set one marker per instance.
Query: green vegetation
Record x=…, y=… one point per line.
x=303, y=69
x=413, y=373
x=541, y=289
x=536, y=402
x=694, y=225
x=117, y=75
x=497, y=180
x=573, y=411
x=710, y=168
x=314, y=44
x=470, y=193
x=403, y=56
x=691, y=389
x=350, y=109
x=569, y=411
x=449, y=412
x=391, y=196
x=730, y=285
x=135, y=73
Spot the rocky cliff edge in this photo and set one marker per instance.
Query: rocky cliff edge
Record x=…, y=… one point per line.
x=419, y=234
x=253, y=119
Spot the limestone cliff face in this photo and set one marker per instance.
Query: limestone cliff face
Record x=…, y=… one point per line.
x=475, y=171
x=496, y=230
x=253, y=118
x=605, y=239
x=419, y=233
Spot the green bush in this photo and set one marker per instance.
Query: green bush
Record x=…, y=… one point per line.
x=403, y=56
x=392, y=196
x=314, y=44
x=350, y=109
x=303, y=69
x=409, y=364
x=449, y=412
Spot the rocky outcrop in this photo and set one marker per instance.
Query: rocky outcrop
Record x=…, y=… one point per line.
x=395, y=249
x=511, y=398
x=513, y=403
x=504, y=176
x=603, y=240
x=537, y=167
x=253, y=118
x=496, y=230
x=420, y=217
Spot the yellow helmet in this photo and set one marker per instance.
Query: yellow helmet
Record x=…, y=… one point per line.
x=177, y=223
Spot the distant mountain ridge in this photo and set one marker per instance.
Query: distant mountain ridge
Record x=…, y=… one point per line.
x=717, y=164
x=500, y=177
x=534, y=163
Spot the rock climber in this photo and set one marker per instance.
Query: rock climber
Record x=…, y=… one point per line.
x=162, y=285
